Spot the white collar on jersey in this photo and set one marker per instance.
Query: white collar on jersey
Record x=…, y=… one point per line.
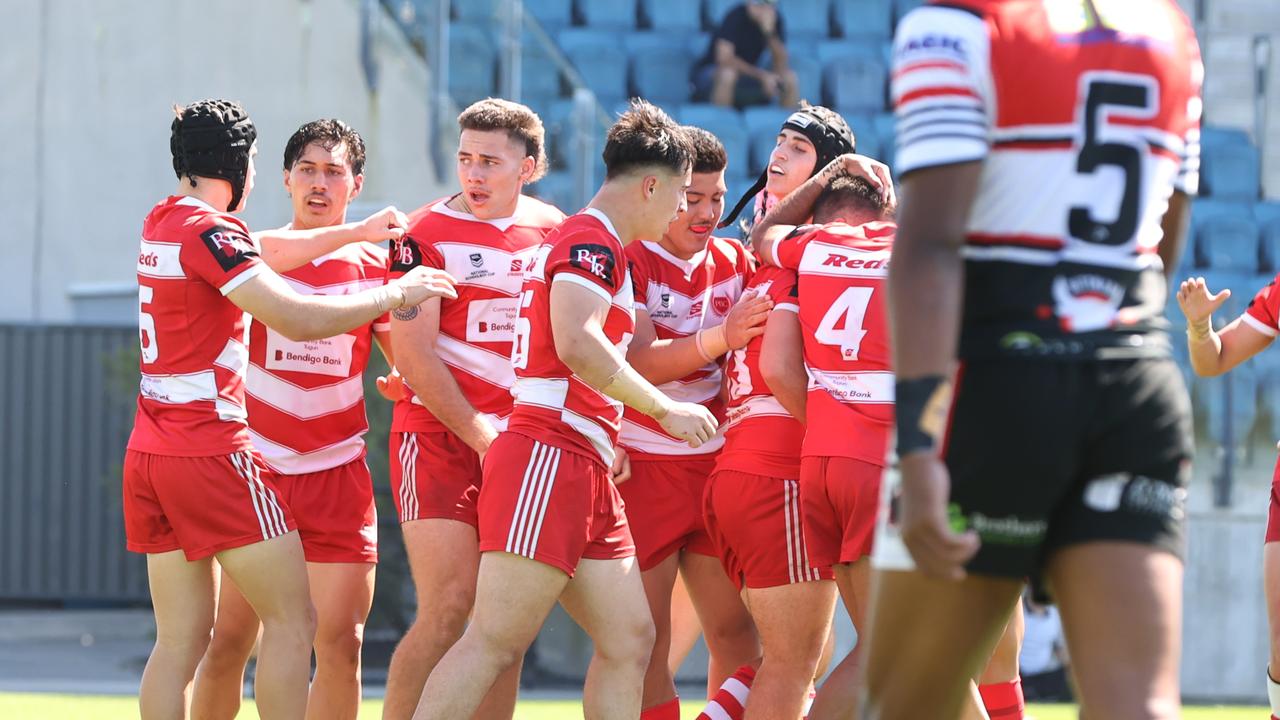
x=193, y=201
x=317, y=262
x=502, y=224
x=604, y=220
x=686, y=266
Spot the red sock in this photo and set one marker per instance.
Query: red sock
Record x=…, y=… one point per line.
x=1003, y=700
x=730, y=701
x=669, y=710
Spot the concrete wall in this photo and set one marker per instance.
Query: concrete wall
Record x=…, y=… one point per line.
x=87, y=89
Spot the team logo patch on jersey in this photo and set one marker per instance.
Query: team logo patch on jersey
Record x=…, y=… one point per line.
x=230, y=246
x=405, y=254
x=477, y=260
x=666, y=300
x=593, y=258
x=721, y=304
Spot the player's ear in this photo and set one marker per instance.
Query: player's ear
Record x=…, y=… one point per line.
x=649, y=185
x=288, y=188
x=356, y=187
x=527, y=167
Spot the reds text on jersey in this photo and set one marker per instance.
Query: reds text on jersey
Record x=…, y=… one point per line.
x=193, y=339
x=1086, y=119
x=552, y=405
x=841, y=272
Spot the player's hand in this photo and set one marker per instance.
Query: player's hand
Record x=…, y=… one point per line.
x=620, y=471
x=871, y=170
x=391, y=386
x=423, y=283
x=1197, y=303
x=484, y=440
x=690, y=422
x=386, y=224
x=937, y=549
x=746, y=319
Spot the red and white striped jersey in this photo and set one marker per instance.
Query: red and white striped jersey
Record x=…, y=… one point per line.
x=552, y=405
x=683, y=297
x=489, y=259
x=842, y=271
x=1263, y=312
x=193, y=339
x=306, y=399
x=760, y=436
x=1086, y=117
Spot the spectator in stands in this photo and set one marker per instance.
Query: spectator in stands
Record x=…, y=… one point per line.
x=731, y=72
x=1044, y=655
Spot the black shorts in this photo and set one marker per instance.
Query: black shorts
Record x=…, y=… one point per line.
x=1047, y=454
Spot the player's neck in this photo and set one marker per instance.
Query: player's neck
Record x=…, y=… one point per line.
x=490, y=211
x=215, y=193
x=301, y=223
x=621, y=213
x=671, y=247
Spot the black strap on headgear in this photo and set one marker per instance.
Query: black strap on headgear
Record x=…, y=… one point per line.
x=213, y=138
x=831, y=138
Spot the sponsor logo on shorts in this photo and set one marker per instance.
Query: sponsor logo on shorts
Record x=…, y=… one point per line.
x=1009, y=530
x=1136, y=494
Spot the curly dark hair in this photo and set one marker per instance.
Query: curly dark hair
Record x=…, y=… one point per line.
x=645, y=136
x=709, y=155
x=328, y=134
x=520, y=123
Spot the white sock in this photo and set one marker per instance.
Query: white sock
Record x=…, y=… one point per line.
x=1273, y=694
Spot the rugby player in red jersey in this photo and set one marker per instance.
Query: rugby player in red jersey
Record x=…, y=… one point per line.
x=193, y=487
x=690, y=311
x=1039, y=210
x=456, y=359
x=307, y=420
x=552, y=526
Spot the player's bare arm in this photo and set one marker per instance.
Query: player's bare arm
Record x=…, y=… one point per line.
x=926, y=282
x=391, y=385
x=797, y=208
x=415, y=331
x=1215, y=352
x=1174, y=232
x=284, y=250
x=782, y=362
x=577, y=325
x=661, y=361
x=311, y=317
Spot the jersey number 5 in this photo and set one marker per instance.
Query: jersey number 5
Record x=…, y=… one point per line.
x=147, y=326
x=851, y=306
x=1119, y=146
x=520, y=348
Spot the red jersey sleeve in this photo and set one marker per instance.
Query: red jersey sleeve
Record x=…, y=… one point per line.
x=221, y=252
x=788, y=251
x=408, y=253
x=1263, y=313
x=592, y=260
x=784, y=290
x=639, y=278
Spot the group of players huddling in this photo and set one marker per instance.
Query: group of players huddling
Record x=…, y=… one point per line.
x=589, y=407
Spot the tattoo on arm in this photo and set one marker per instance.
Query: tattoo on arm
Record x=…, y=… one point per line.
x=405, y=313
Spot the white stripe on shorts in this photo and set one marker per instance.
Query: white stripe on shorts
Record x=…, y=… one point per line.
x=531, y=504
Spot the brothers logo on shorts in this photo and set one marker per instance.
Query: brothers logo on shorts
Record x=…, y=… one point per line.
x=230, y=246
x=405, y=254
x=593, y=258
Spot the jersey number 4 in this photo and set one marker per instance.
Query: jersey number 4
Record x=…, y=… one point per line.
x=1116, y=145
x=851, y=308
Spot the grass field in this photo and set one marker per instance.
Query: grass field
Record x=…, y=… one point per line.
x=32, y=706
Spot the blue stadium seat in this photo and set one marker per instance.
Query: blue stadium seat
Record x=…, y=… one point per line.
x=698, y=44
x=830, y=51
x=539, y=76
x=762, y=124
x=476, y=10
x=864, y=18
x=672, y=15
x=1268, y=217
x=726, y=124
x=553, y=14
x=855, y=84
x=809, y=74
x=600, y=59
x=902, y=7
x=660, y=64
x=555, y=188
x=1230, y=166
x=715, y=10
x=1244, y=383
x=472, y=62
x=612, y=14
x=556, y=122
x=1224, y=232
x=806, y=17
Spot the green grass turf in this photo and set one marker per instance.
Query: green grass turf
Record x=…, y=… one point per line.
x=34, y=706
